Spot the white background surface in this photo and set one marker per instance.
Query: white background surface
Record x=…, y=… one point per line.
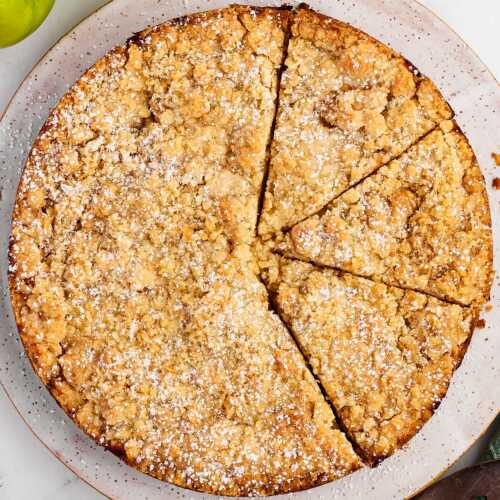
x=27, y=469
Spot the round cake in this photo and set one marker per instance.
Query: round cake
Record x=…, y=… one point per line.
x=249, y=249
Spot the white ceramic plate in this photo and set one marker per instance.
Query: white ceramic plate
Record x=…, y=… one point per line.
x=473, y=399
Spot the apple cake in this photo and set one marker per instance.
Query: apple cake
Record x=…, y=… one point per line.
x=249, y=249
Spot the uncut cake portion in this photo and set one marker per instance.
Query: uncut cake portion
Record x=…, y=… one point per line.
x=193, y=94
x=384, y=355
x=131, y=275
x=153, y=133
x=347, y=105
x=422, y=221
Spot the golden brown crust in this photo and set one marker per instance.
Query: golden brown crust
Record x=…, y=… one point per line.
x=29, y=193
x=384, y=355
x=422, y=221
x=348, y=104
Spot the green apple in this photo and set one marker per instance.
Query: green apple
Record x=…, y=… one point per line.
x=19, y=18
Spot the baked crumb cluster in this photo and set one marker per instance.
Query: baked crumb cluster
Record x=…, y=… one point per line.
x=137, y=276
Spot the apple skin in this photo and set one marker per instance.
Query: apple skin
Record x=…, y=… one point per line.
x=19, y=18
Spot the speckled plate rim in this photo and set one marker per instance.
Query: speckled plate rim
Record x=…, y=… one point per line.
x=473, y=399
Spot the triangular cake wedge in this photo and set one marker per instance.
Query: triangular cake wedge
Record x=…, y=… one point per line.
x=347, y=105
x=421, y=222
x=384, y=355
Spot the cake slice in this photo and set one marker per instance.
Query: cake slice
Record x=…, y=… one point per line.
x=347, y=105
x=251, y=418
x=384, y=355
x=421, y=222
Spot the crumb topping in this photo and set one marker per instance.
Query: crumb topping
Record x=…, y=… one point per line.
x=422, y=222
x=139, y=284
x=348, y=104
x=384, y=355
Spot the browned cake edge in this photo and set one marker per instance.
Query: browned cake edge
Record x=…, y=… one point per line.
x=467, y=154
x=374, y=460
x=51, y=124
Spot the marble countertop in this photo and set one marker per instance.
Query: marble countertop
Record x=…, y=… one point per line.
x=26, y=466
